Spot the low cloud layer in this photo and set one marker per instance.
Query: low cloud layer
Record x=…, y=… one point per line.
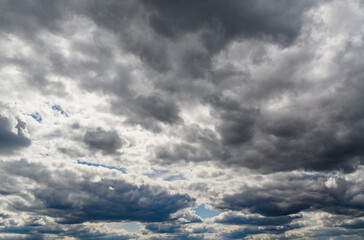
x=71, y=197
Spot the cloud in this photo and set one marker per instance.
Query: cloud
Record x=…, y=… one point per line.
x=229, y=20
x=154, y=107
x=40, y=227
x=73, y=198
x=237, y=125
x=149, y=111
x=163, y=228
x=245, y=232
x=106, y=141
x=291, y=193
x=254, y=220
x=9, y=140
x=251, y=107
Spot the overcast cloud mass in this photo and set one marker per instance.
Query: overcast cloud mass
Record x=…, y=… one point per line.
x=183, y=119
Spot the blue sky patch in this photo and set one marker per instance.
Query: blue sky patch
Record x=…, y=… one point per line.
x=36, y=116
x=157, y=173
x=174, y=178
x=163, y=173
x=123, y=170
x=59, y=109
x=204, y=212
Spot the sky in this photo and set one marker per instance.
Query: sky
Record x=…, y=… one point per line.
x=183, y=119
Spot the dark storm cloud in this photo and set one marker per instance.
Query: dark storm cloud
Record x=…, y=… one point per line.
x=249, y=231
x=125, y=19
x=122, y=18
x=106, y=141
x=291, y=193
x=71, y=198
x=148, y=111
x=237, y=123
x=201, y=145
x=354, y=224
x=279, y=90
x=224, y=21
x=322, y=134
x=10, y=141
x=29, y=17
x=179, y=237
x=163, y=228
x=195, y=64
x=307, y=137
x=254, y=220
x=218, y=23
x=155, y=107
x=37, y=228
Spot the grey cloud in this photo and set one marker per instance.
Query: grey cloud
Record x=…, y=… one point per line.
x=182, y=236
x=290, y=194
x=201, y=145
x=155, y=107
x=229, y=19
x=71, y=198
x=323, y=134
x=163, y=228
x=148, y=111
x=9, y=141
x=186, y=217
x=354, y=224
x=236, y=122
x=126, y=19
x=180, y=152
x=238, y=127
x=195, y=64
x=177, y=225
x=40, y=227
x=254, y=220
x=248, y=62
x=27, y=18
x=50, y=17
x=74, y=153
x=249, y=231
x=287, y=127
x=106, y=141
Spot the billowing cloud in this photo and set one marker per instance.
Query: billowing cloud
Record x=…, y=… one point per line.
x=106, y=141
x=284, y=195
x=79, y=199
x=254, y=220
x=226, y=21
x=134, y=113
x=9, y=140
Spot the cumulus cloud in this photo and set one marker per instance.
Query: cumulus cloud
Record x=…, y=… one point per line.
x=229, y=20
x=254, y=220
x=106, y=141
x=290, y=194
x=72, y=198
x=9, y=140
x=140, y=111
